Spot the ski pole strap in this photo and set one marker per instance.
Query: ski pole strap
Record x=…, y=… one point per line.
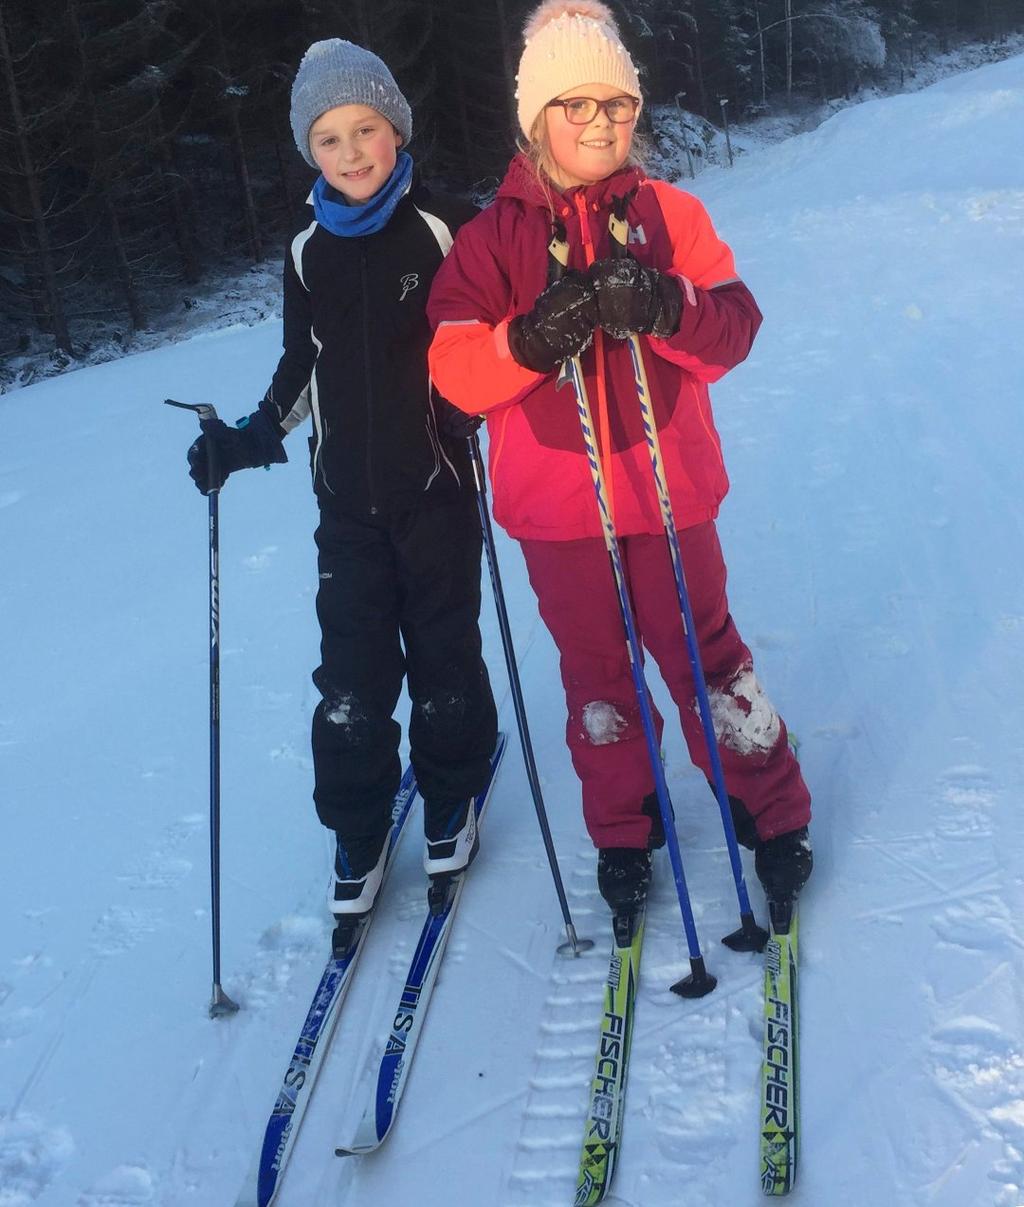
x=212, y=467
x=558, y=251
x=558, y=262
x=618, y=228
x=618, y=225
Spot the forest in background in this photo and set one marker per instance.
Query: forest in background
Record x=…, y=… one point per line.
x=145, y=144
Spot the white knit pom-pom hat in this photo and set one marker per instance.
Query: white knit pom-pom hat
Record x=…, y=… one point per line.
x=569, y=44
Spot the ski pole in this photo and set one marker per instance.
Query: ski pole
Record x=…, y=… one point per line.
x=750, y=936
x=220, y=1003
x=574, y=946
x=700, y=981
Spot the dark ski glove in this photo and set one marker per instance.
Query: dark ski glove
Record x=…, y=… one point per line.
x=561, y=324
x=452, y=422
x=633, y=298
x=254, y=441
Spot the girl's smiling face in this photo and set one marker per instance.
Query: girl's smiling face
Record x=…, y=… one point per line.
x=582, y=155
x=356, y=148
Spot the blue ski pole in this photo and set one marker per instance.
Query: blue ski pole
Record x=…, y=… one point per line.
x=750, y=936
x=700, y=981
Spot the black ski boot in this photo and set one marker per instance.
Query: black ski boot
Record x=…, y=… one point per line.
x=623, y=877
x=784, y=864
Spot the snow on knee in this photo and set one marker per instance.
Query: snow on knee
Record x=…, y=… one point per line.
x=444, y=713
x=340, y=711
x=602, y=723
x=743, y=716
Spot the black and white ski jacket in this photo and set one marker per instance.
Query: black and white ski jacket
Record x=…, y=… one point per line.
x=355, y=357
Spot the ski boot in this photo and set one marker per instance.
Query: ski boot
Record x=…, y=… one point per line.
x=452, y=841
x=358, y=873
x=624, y=878
x=783, y=866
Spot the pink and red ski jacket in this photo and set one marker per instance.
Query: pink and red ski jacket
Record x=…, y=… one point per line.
x=498, y=265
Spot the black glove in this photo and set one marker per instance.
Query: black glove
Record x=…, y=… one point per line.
x=255, y=442
x=561, y=324
x=633, y=298
x=452, y=422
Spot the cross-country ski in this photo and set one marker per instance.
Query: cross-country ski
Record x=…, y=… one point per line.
x=606, y=1112
x=780, y=1087
x=299, y=1081
x=407, y=1026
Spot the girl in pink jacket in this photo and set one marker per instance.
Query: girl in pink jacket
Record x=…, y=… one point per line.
x=501, y=335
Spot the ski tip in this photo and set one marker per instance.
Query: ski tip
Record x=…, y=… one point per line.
x=355, y=1151
x=777, y=1183
x=249, y=1197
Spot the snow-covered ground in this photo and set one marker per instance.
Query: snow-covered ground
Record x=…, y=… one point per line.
x=875, y=547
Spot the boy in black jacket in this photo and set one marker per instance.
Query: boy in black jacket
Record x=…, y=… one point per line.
x=399, y=538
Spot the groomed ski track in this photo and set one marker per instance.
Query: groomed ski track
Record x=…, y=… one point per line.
x=875, y=546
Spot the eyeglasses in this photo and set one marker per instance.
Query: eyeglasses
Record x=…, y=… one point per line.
x=581, y=110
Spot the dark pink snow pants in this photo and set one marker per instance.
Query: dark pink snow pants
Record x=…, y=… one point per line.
x=578, y=602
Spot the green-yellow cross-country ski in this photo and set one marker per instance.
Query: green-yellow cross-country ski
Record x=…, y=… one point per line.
x=602, y=1134
x=779, y=1114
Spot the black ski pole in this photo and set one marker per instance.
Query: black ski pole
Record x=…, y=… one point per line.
x=220, y=1003
x=574, y=946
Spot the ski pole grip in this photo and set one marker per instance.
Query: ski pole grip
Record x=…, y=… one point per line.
x=205, y=411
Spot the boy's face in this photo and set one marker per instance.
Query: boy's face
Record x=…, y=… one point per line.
x=356, y=149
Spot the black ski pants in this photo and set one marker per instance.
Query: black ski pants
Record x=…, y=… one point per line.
x=399, y=595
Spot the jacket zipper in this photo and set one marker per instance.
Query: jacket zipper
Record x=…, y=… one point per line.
x=588, y=246
x=368, y=377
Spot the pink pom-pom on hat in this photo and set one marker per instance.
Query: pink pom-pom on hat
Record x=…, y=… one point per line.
x=593, y=10
x=570, y=43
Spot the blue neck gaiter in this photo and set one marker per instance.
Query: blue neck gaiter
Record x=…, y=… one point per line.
x=336, y=215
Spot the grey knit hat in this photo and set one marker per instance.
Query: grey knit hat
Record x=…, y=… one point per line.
x=335, y=72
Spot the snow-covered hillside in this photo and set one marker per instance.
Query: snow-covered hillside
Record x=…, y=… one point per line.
x=875, y=545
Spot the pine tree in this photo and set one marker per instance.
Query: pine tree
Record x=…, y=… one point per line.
x=33, y=190
x=107, y=44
